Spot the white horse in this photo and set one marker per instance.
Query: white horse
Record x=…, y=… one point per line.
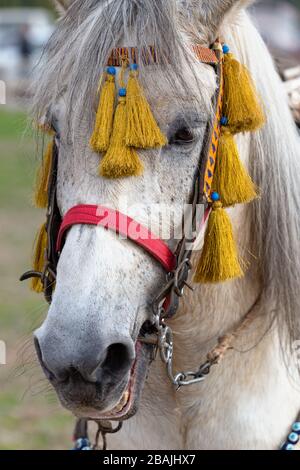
x=105, y=285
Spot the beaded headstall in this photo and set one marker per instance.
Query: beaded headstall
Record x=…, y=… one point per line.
x=127, y=124
x=293, y=440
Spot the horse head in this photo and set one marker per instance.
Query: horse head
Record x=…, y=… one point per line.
x=89, y=343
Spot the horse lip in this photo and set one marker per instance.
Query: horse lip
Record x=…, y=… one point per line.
x=136, y=384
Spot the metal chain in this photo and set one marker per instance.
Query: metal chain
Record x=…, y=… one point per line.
x=176, y=281
x=166, y=349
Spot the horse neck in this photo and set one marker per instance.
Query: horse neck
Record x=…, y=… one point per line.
x=250, y=391
x=249, y=394
x=243, y=392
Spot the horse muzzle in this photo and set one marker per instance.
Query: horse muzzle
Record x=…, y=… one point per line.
x=105, y=384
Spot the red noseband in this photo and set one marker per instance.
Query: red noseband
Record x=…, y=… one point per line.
x=122, y=225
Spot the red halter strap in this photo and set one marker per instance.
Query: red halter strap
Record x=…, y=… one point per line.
x=121, y=224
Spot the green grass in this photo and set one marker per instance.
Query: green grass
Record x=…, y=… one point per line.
x=28, y=419
x=16, y=161
x=12, y=124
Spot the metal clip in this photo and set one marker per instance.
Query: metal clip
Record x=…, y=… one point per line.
x=104, y=428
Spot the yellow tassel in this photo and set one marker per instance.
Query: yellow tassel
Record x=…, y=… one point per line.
x=46, y=128
x=120, y=160
x=241, y=103
x=105, y=114
x=39, y=258
x=231, y=179
x=219, y=260
x=43, y=177
x=142, y=129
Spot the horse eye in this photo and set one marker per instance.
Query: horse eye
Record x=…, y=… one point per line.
x=182, y=136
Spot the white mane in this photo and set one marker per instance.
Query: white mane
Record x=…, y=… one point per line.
x=275, y=166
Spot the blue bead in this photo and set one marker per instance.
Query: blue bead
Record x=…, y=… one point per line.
x=224, y=121
x=134, y=67
x=111, y=71
x=215, y=197
x=293, y=438
x=296, y=427
x=289, y=447
x=122, y=92
x=82, y=444
x=226, y=49
x=78, y=444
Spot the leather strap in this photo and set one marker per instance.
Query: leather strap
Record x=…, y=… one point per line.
x=149, y=55
x=121, y=224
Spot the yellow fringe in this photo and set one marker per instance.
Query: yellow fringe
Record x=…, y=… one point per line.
x=43, y=178
x=231, y=179
x=219, y=259
x=142, y=129
x=104, y=119
x=241, y=103
x=120, y=161
x=39, y=258
x=46, y=128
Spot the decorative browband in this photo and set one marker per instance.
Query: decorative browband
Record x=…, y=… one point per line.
x=148, y=55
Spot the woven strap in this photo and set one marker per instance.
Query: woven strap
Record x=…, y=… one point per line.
x=148, y=55
x=215, y=138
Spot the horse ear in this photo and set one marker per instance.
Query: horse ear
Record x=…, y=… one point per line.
x=62, y=6
x=208, y=16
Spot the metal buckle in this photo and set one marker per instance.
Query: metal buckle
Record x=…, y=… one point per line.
x=176, y=281
x=181, y=275
x=47, y=277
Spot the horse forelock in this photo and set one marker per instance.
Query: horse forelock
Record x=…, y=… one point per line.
x=79, y=49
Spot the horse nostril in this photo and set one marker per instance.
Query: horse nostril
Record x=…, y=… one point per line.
x=50, y=376
x=118, y=358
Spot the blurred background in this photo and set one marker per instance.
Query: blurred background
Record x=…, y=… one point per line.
x=30, y=417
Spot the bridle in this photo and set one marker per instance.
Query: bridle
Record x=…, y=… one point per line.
x=177, y=264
